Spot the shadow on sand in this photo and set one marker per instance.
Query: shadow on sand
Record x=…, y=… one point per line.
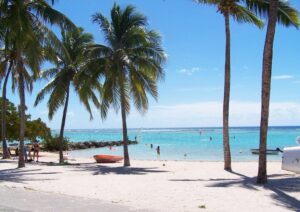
x=22, y=175
x=6, y=161
x=121, y=170
x=281, y=184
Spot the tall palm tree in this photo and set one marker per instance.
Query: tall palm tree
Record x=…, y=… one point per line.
x=5, y=73
x=237, y=10
x=6, y=63
x=281, y=12
x=70, y=70
x=25, y=24
x=131, y=63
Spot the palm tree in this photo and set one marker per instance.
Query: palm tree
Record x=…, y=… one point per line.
x=70, y=70
x=131, y=63
x=238, y=11
x=6, y=64
x=5, y=71
x=25, y=24
x=281, y=12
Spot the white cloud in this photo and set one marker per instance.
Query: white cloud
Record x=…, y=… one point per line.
x=189, y=72
x=283, y=77
x=199, y=114
x=210, y=114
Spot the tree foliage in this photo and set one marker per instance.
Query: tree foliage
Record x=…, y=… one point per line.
x=53, y=143
x=131, y=63
x=35, y=129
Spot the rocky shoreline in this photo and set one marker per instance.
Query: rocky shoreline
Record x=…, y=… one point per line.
x=96, y=144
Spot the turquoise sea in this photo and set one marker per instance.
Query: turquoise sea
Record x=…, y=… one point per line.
x=186, y=143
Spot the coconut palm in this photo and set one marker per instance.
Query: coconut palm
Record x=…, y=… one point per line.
x=3, y=70
x=69, y=71
x=131, y=63
x=7, y=60
x=27, y=33
x=281, y=12
x=6, y=63
x=237, y=10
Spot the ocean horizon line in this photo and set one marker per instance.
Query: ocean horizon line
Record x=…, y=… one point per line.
x=153, y=128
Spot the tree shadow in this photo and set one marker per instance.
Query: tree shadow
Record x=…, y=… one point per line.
x=244, y=181
x=280, y=184
x=7, y=161
x=22, y=175
x=195, y=180
x=281, y=188
x=121, y=170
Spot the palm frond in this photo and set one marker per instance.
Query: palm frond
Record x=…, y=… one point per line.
x=45, y=12
x=104, y=26
x=131, y=63
x=287, y=15
x=46, y=90
x=243, y=15
x=208, y=2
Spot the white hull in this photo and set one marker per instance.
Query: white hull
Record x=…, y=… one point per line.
x=291, y=159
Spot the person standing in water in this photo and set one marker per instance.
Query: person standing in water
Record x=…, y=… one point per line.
x=151, y=146
x=158, y=150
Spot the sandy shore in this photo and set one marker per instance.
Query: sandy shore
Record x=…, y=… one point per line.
x=161, y=185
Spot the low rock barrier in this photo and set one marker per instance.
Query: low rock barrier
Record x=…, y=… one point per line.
x=96, y=144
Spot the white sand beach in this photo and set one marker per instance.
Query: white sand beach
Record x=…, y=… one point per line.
x=160, y=185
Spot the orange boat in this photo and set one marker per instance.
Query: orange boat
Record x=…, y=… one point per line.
x=107, y=158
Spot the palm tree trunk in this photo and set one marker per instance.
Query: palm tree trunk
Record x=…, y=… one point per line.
x=6, y=154
x=125, y=136
x=266, y=88
x=22, y=116
x=226, y=146
x=62, y=128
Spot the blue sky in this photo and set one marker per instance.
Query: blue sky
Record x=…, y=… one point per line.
x=192, y=92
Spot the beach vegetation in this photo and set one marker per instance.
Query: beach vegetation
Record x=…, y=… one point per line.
x=237, y=10
x=6, y=60
x=70, y=71
x=276, y=11
x=25, y=33
x=53, y=143
x=11, y=116
x=131, y=63
x=35, y=129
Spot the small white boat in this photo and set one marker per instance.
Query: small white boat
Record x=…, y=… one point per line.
x=291, y=159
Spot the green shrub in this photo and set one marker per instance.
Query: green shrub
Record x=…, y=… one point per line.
x=52, y=144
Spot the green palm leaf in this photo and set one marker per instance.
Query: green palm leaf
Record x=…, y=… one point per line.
x=130, y=64
x=287, y=15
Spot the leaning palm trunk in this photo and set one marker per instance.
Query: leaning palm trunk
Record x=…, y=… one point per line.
x=6, y=154
x=266, y=87
x=227, y=156
x=63, y=122
x=22, y=118
x=125, y=136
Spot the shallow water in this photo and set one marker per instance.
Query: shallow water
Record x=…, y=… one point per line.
x=186, y=143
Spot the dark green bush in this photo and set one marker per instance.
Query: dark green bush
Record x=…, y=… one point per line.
x=52, y=144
